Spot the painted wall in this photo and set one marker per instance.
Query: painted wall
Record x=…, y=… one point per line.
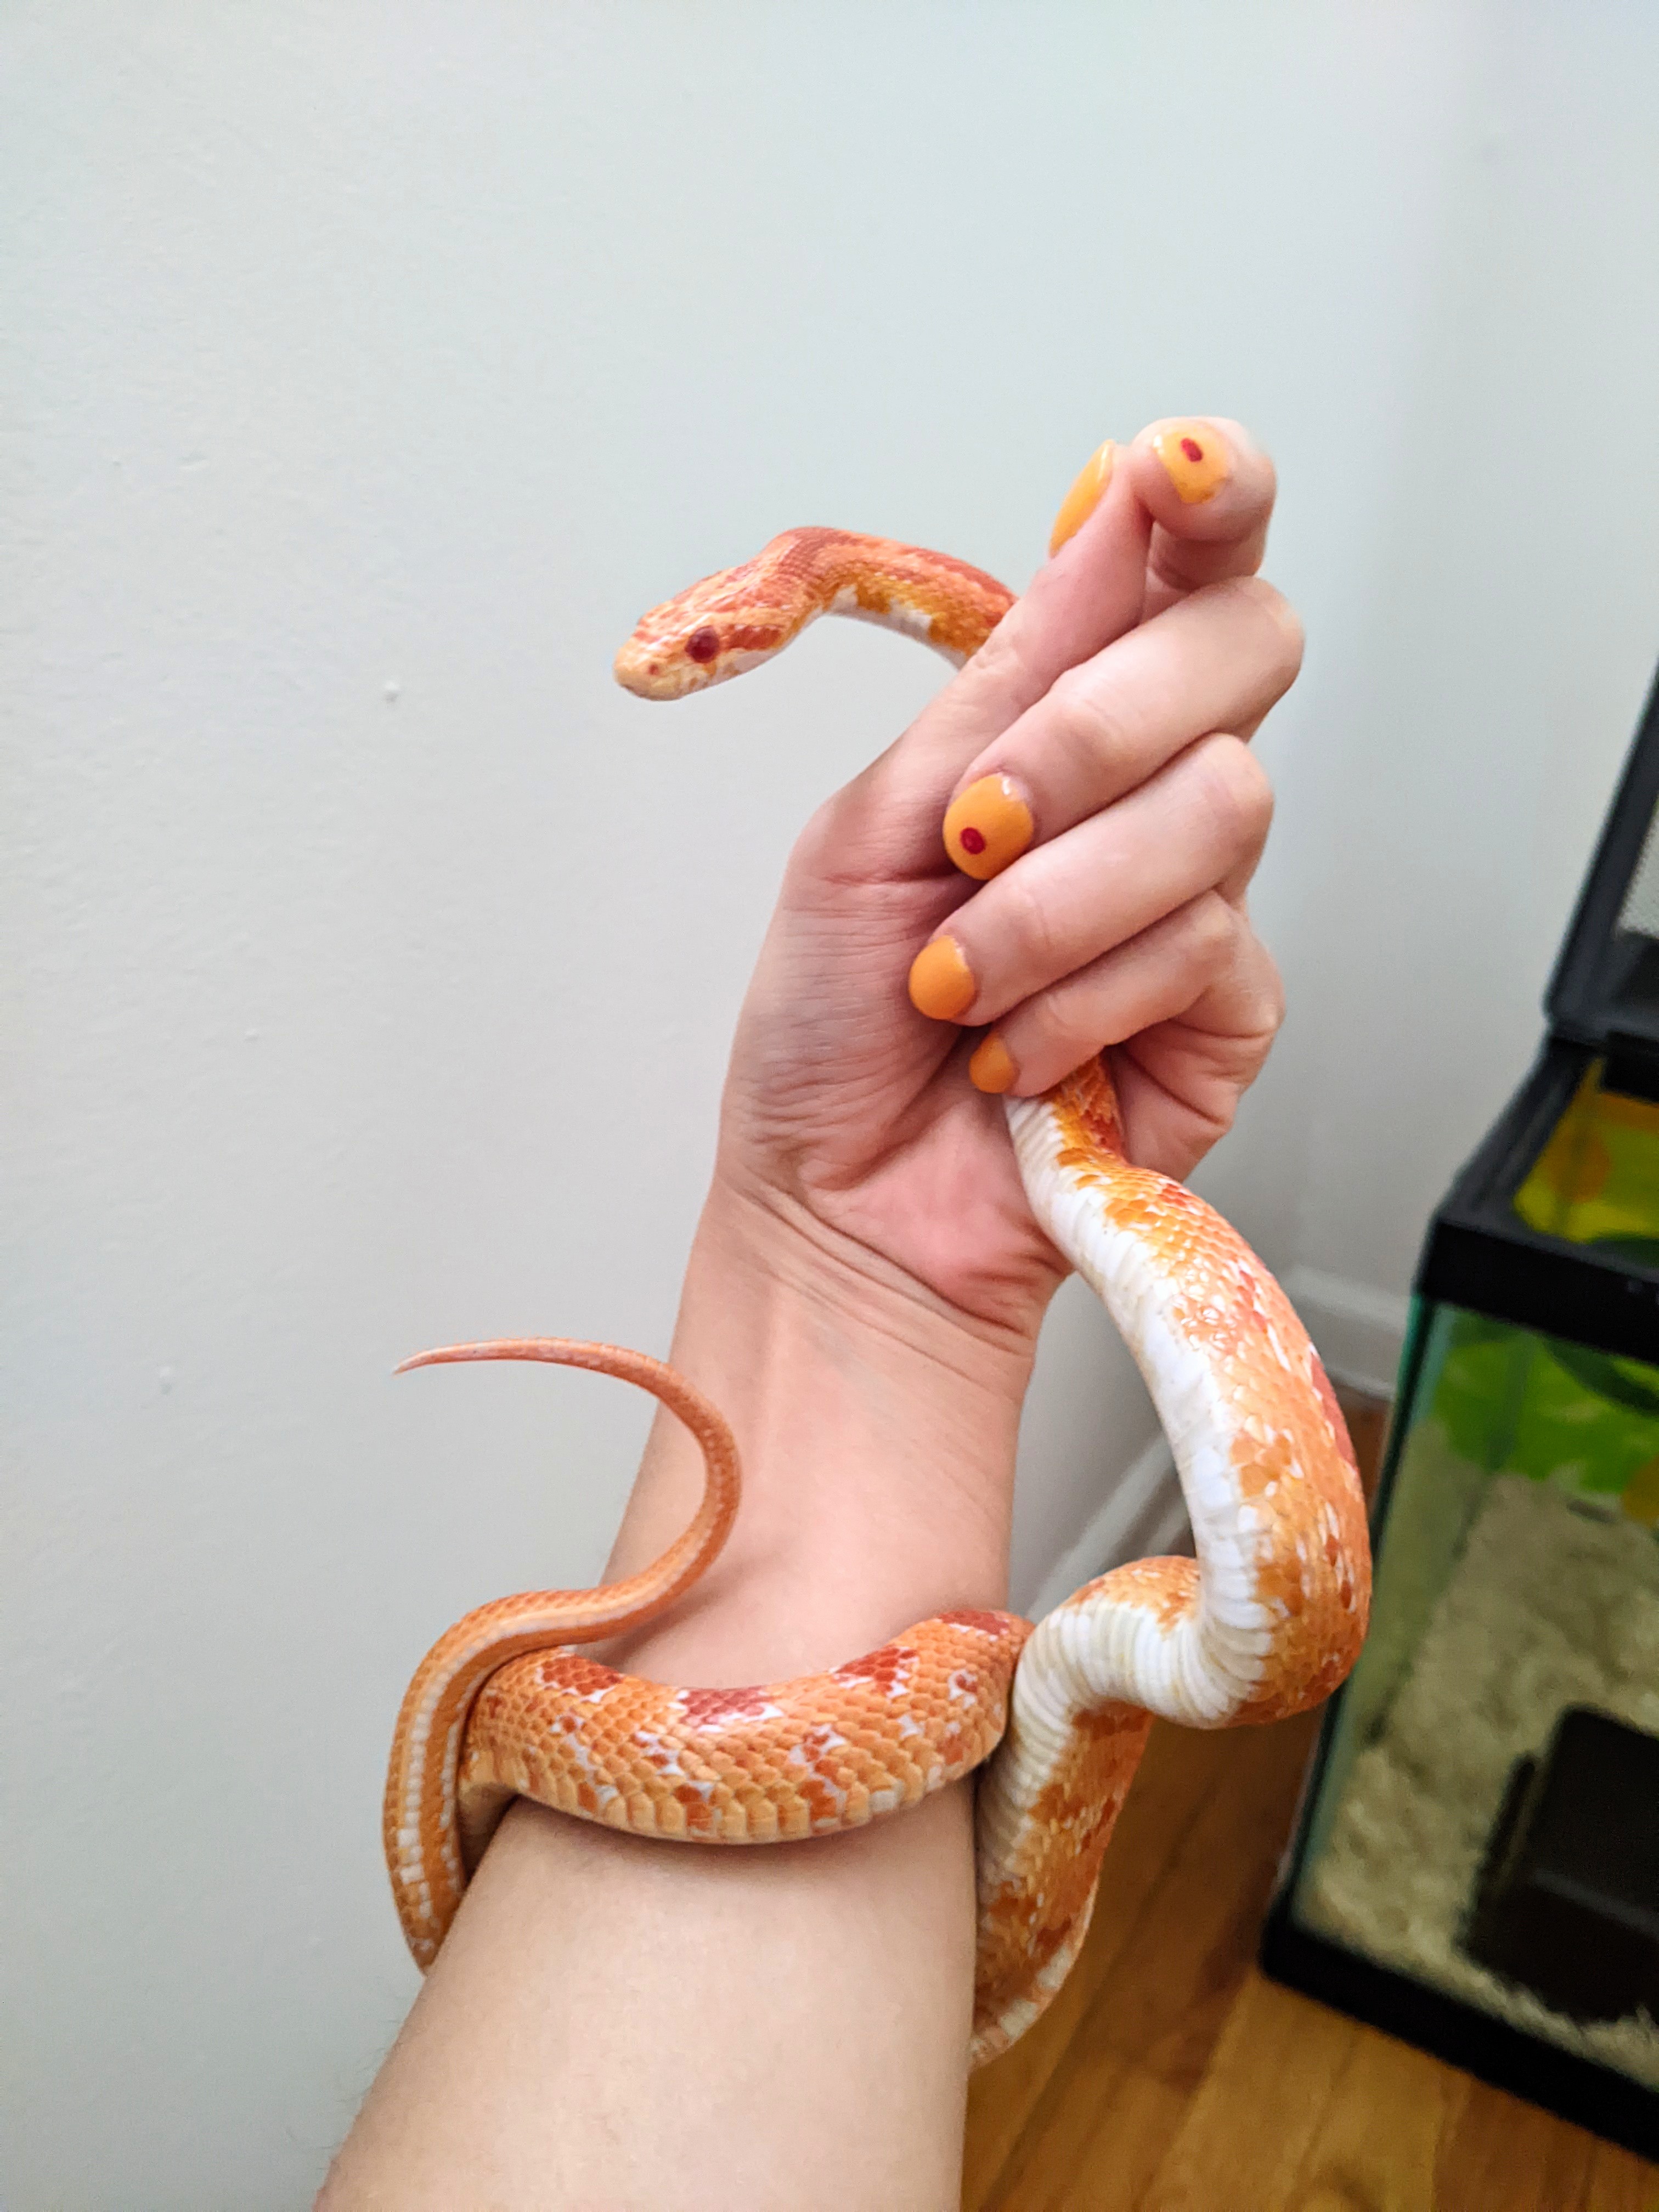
x=1445, y=765
x=371, y=960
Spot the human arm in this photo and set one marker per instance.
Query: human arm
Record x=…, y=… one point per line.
x=617, y=2022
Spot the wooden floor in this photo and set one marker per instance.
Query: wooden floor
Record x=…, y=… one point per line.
x=1169, y=2077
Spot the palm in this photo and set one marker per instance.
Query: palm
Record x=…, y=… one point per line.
x=843, y=1096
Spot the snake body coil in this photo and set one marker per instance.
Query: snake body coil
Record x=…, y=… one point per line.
x=1267, y=1619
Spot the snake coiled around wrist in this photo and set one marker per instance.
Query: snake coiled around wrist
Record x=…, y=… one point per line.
x=1265, y=1620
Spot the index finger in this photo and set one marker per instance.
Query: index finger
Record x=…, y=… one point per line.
x=1192, y=495
x=1073, y=606
x=1187, y=503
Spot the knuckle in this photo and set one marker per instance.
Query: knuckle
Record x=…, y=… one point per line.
x=1083, y=724
x=822, y=836
x=1277, y=620
x=1004, y=662
x=1026, y=921
x=1261, y=994
x=1213, y=928
x=1235, y=792
x=1269, y=996
x=1048, y=1032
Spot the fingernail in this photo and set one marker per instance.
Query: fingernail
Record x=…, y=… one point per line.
x=987, y=827
x=1197, y=457
x=992, y=1066
x=942, y=983
x=1085, y=497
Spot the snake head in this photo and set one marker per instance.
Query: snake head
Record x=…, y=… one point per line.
x=734, y=620
x=742, y=616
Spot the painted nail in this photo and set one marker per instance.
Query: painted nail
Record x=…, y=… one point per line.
x=992, y=1066
x=987, y=827
x=942, y=984
x=1198, y=457
x=1085, y=497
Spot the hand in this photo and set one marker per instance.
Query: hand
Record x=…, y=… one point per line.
x=866, y=1292
x=1117, y=698
x=862, y=1300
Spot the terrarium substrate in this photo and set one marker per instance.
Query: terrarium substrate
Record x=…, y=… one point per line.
x=1554, y=1601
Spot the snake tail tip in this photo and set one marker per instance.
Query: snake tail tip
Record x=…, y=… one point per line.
x=445, y=1355
x=438, y=1358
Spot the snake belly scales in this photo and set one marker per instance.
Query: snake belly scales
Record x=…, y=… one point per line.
x=1267, y=1619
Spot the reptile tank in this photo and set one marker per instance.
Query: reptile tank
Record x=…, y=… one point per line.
x=1476, y=1862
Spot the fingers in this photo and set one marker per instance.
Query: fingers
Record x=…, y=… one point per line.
x=1192, y=495
x=1153, y=978
x=1071, y=609
x=1112, y=830
x=1179, y=1081
x=1217, y=660
x=1197, y=826
x=1142, y=526
x=1185, y=505
x=1186, y=1013
x=1209, y=489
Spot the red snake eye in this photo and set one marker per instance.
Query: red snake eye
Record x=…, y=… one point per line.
x=702, y=644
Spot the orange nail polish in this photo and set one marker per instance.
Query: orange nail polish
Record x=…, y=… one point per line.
x=992, y=1067
x=987, y=827
x=942, y=984
x=1198, y=457
x=1085, y=497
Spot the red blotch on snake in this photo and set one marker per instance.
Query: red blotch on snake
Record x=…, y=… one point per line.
x=710, y=1707
x=882, y=1670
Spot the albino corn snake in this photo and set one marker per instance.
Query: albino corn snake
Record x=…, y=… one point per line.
x=1266, y=1620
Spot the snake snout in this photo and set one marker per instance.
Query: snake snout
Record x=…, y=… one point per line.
x=655, y=665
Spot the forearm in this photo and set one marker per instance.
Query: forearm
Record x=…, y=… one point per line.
x=877, y=1431
x=619, y=2021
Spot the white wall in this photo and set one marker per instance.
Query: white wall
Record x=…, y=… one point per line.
x=1445, y=764
x=366, y=370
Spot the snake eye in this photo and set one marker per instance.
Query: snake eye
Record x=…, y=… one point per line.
x=702, y=644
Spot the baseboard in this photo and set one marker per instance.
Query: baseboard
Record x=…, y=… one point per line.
x=1143, y=1515
x=1358, y=1331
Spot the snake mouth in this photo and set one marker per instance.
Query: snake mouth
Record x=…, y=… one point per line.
x=656, y=666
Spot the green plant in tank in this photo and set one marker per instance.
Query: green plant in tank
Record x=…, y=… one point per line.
x=1511, y=1400
x=1560, y=1411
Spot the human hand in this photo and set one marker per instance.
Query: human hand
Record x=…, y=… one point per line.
x=866, y=1207
x=1111, y=711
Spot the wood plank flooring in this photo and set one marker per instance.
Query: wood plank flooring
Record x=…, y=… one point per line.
x=1169, y=2077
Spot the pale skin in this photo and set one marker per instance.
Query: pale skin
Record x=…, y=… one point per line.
x=623, y=2023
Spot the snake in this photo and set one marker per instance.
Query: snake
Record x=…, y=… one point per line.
x=1263, y=1620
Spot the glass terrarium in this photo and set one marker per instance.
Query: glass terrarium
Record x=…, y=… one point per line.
x=1476, y=1865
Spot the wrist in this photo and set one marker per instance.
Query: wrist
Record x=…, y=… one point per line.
x=877, y=1431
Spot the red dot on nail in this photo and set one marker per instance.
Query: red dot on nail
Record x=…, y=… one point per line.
x=971, y=839
x=702, y=644
x=1191, y=449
